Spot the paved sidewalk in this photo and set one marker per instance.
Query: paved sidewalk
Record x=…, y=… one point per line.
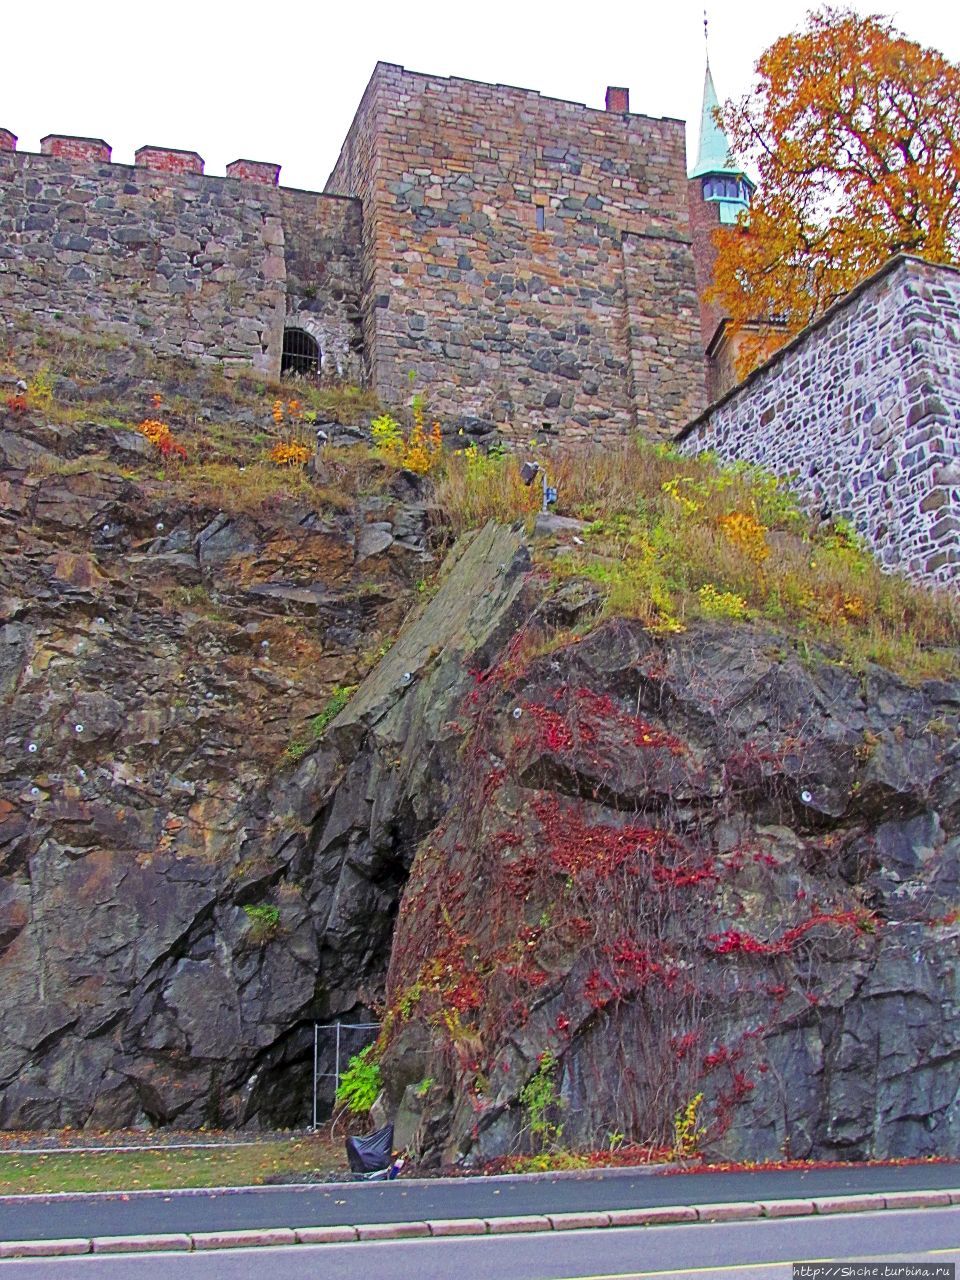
x=721, y=1211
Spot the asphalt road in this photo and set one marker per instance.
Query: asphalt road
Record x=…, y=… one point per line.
x=53, y=1217
x=758, y=1250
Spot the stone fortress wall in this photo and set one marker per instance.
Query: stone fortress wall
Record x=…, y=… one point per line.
x=528, y=259
x=863, y=410
x=188, y=264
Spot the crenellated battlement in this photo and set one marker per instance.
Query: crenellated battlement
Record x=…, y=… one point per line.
x=81, y=150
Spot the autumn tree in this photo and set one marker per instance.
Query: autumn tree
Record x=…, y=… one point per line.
x=854, y=133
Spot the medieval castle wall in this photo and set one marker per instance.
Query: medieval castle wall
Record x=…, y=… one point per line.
x=862, y=409
x=160, y=254
x=527, y=259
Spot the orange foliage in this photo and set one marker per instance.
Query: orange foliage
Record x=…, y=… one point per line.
x=746, y=533
x=854, y=133
x=423, y=452
x=286, y=453
x=162, y=439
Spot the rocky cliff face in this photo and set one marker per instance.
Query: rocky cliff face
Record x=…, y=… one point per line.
x=637, y=868
x=652, y=868
x=166, y=935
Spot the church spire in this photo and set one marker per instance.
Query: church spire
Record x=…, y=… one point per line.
x=713, y=155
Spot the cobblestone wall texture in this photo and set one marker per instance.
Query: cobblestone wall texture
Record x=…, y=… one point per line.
x=185, y=264
x=505, y=323
x=322, y=240
x=863, y=410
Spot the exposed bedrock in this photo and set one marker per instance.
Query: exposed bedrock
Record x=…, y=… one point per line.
x=171, y=919
x=674, y=864
x=667, y=866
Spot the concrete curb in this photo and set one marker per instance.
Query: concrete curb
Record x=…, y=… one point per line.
x=493, y=1179
x=657, y=1215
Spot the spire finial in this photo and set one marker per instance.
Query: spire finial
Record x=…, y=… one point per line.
x=706, y=34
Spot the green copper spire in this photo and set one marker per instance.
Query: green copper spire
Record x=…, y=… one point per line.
x=714, y=153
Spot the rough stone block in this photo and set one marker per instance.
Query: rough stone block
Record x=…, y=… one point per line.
x=848, y=1204
x=325, y=1235
x=734, y=1212
x=526, y=1222
x=391, y=1230
x=916, y=1199
x=576, y=1221
x=785, y=1208
x=242, y=1239
x=42, y=1248
x=458, y=1227
x=653, y=1216
x=139, y=1244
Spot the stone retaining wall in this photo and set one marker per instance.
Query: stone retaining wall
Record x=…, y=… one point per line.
x=494, y=237
x=863, y=410
x=184, y=263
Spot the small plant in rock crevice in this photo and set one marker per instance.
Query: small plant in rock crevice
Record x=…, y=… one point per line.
x=688, y=1133
x=540, y=1103
x=264, y=921
x=294, y=751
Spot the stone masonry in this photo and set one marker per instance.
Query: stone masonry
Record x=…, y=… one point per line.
x=186, y=264
x=862, y=409
x=526, y=258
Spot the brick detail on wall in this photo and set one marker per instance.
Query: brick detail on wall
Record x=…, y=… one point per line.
x=704, y=221
x=168, y=160
x=862, y=410
x=78, y=150
x=8, y=140
x=617, y=99
x=507, y=327
x=254, y=171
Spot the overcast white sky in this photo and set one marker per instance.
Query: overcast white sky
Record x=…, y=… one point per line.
x=281, y=82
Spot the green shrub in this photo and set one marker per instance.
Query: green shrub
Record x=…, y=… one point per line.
x=294, y=751
x=360, y=1083
x=332, y=708
x=539, y=1099
x=264, y=921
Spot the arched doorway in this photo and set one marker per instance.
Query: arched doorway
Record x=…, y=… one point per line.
x=301, y=354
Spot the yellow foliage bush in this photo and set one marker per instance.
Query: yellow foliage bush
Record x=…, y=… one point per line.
x=287, y=453
x=419, y=450
x=747, y=534
x=154, y=430
x=721, y=604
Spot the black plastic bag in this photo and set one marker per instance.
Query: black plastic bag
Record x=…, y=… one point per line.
x=372, y=1153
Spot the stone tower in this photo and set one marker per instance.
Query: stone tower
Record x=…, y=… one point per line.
x=718, y=191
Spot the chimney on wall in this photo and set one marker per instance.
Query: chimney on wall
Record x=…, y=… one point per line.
x=618, y=100
x=168, y=160
x=254, y=171
x=8, y=140
x=82, y=150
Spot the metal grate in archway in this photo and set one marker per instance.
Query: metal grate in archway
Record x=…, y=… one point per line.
x=301, y=353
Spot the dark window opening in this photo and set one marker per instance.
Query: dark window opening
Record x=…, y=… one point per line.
x=301, y=353
x=541, y=217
